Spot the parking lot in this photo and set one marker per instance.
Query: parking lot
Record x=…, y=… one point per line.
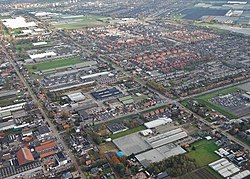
x=233, y=102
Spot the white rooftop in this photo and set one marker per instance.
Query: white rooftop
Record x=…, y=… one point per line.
x=76, y=97
x=42, y=55
x=224, y=167
x=159, y=154
x=241, y=175
x=18, y=22
x=157, y=122
x=39, y=43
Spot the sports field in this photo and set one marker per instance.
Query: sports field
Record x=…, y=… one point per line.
x=205, y=101
x=204, y=152
x=81, y=22
x=53, y=64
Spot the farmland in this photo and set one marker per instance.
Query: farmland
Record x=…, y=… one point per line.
x=53, y=64
x=197, y=13
x=204, y=173
x=204, y=152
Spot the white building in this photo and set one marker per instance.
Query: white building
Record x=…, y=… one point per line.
x=158, y=122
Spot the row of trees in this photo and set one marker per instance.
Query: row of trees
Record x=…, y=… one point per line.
x=157, y=86
x=174, y=166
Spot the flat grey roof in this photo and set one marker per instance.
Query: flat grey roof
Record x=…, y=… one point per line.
x=132, y=143
x=167, y=137
x=159, y=154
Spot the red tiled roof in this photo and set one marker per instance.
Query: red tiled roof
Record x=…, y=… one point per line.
x=45, y=146
x=24, y=156
x=48, y=153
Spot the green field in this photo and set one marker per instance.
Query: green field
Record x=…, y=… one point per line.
x=205, y=101
x=53, y=64
x=206, y=24
x=28, y=46
x=127, y=132
x=204, y=152
x=81, y=22
x=6, y=102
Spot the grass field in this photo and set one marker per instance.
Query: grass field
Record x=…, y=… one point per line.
x=205, y=24
x=6, y=102
x=53, y=64
x=127, y=132
x=107, y=147
x=202, y=173
x=205, y=101
x=204, y=152
x=28, y=46
x=81, y=22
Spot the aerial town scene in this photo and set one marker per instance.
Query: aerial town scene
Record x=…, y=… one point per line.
x=111, y=89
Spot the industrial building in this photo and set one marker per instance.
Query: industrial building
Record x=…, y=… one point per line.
x=24, y=156
x=106, y=94
x=131, y=144
x=135, y=143
x=159, y=154
x=158, y=122
x=224, y=167
x=76, y=97
x=240, y=175
x=167, y=137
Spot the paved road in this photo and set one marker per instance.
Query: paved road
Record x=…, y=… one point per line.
x=230, y=137
x=35, y=99
x=215, y=89
x=168, y=100
x=131, y=113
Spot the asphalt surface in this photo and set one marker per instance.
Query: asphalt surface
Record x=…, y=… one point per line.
x=36, y=101
x=168, y=100
x=52, y=127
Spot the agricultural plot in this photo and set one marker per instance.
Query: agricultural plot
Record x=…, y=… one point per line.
x=197, y=13
x=76, y=22
x=53, y=64
x=203, y=173
x=204, y=152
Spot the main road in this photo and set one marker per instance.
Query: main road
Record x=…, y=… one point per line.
x=168, y=100
x=10, y=57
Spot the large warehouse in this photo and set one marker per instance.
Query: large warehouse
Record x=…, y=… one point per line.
x=136, y=143
x=158, y=122
x=158, y=154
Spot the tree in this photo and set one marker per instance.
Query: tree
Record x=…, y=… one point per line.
x=65, y=116
x=115, y=160
x=97, y=139
x=123, y=160
x=34, y=67
x=120, y=169
x=134, y=169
